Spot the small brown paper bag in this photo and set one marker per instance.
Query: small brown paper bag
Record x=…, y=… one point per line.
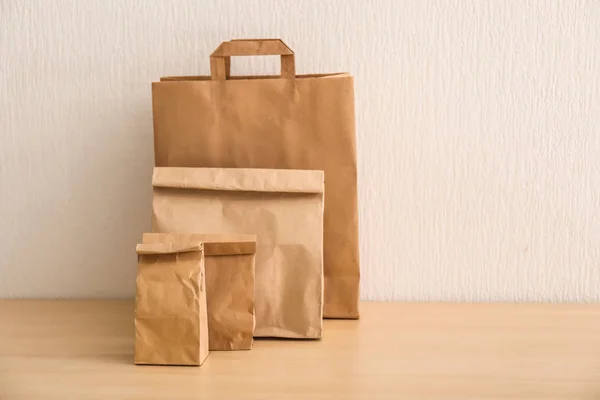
x=229, y=265
x=284, y=208
x=171, y=326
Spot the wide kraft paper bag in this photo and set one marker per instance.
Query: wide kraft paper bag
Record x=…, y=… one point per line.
x=288, y=121
x=284, y=208
x=171, y=326
x=229, y=271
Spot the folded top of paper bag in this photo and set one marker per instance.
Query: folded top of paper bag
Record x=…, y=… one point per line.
x=240, y=179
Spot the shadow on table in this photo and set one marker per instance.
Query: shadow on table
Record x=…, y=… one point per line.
x=115, y=359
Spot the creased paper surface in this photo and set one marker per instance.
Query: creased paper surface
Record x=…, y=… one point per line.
x=171, y=326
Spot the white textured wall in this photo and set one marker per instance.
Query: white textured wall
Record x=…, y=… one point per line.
x=478, y=133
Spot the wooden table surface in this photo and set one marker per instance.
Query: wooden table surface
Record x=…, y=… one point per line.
x=84, y=350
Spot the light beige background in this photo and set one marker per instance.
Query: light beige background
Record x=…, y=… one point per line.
x=478, y=133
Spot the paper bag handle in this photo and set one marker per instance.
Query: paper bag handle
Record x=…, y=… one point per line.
x=220, y=59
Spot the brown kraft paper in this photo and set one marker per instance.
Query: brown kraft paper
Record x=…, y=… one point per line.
x=229, y=267
x=291, y=121
x=171, y=326
x=284, y=208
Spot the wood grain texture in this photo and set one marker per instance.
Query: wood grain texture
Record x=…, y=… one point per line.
x=84, y=350
x=478, y=136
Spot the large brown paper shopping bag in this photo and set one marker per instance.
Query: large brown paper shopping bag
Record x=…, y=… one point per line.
x=171, y=326
x=229, y=266
x=289, y=121
x=284, y=208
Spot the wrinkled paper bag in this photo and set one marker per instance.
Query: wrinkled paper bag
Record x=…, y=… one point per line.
x=229, y=267
x=171, y=326
x=284, y=208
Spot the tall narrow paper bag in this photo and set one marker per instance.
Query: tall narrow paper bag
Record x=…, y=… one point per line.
x=171, y=326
